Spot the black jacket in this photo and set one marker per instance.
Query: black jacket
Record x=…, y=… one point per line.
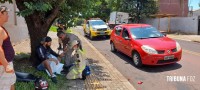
x=43, y=53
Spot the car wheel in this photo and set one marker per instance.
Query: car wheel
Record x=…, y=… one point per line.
x=85, y=34
x=137, y=59
x=113, y=49
x=91, y=37
x=108, y=36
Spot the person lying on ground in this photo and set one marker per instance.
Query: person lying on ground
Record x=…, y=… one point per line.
x=49, y=60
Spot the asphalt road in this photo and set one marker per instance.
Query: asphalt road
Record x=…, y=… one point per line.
x=156, y=77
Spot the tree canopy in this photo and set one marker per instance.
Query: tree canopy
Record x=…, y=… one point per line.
x=40, y=14
x=139, y=9
x=72, y=9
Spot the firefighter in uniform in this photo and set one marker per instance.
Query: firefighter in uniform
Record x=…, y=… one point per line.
x=79, y=62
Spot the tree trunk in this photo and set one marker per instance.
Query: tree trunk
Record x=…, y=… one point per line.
x=36, y=33
x=38, y=27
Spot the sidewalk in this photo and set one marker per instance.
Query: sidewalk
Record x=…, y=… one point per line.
x=104, y=73
x=193, y=38
x=104, y=76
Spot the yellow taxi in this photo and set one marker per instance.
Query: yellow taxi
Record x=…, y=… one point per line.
x=96, y=27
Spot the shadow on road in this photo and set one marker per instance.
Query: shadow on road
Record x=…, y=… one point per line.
x=148, y=68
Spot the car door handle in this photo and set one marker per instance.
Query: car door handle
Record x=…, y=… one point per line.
x=120, y=40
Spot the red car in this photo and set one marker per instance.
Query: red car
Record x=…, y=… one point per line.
x=145, y=44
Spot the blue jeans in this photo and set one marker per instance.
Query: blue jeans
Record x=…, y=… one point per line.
x=41, y=67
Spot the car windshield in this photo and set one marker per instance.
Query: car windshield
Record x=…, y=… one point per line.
x=97, y=23
x=145, y=32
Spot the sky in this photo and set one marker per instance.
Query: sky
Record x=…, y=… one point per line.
x=194, y=4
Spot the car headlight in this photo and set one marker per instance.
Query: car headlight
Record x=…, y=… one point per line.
x=178, y=47
x=94, y=29
x=149, y=49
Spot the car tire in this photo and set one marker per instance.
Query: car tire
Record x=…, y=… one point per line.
x=137, y=59
x=108, y=36
x=113, y=49
x=85, y=34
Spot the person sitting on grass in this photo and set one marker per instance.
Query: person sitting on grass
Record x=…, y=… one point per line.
x=49, y=60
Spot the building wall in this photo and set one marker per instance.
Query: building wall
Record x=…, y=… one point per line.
x=187, y=25
x=177, y=7
x=154, y=22
x=16, y=25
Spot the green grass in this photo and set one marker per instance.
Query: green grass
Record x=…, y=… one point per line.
x=21, y=55
x=53, y=28
x=23, y=65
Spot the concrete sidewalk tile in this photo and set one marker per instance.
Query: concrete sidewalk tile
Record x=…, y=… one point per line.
x=80, y=84
x=120, y=76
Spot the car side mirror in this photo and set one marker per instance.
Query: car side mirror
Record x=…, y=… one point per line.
x=165, y=34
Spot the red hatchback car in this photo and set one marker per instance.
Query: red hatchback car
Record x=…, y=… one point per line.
x=145, y=44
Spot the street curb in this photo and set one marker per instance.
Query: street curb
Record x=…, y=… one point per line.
x=109, y=65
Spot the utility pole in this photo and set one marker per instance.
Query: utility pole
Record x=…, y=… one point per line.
x=183, y=12
x=14, y=8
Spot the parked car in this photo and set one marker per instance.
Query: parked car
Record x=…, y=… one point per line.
x=145, y=44
x=96, y=27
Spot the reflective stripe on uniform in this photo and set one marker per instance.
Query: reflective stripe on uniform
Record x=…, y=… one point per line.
x=75, y=72
x=82, y=52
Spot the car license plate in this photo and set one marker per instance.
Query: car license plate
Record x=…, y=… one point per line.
x=169, y=57
x=102, y=33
